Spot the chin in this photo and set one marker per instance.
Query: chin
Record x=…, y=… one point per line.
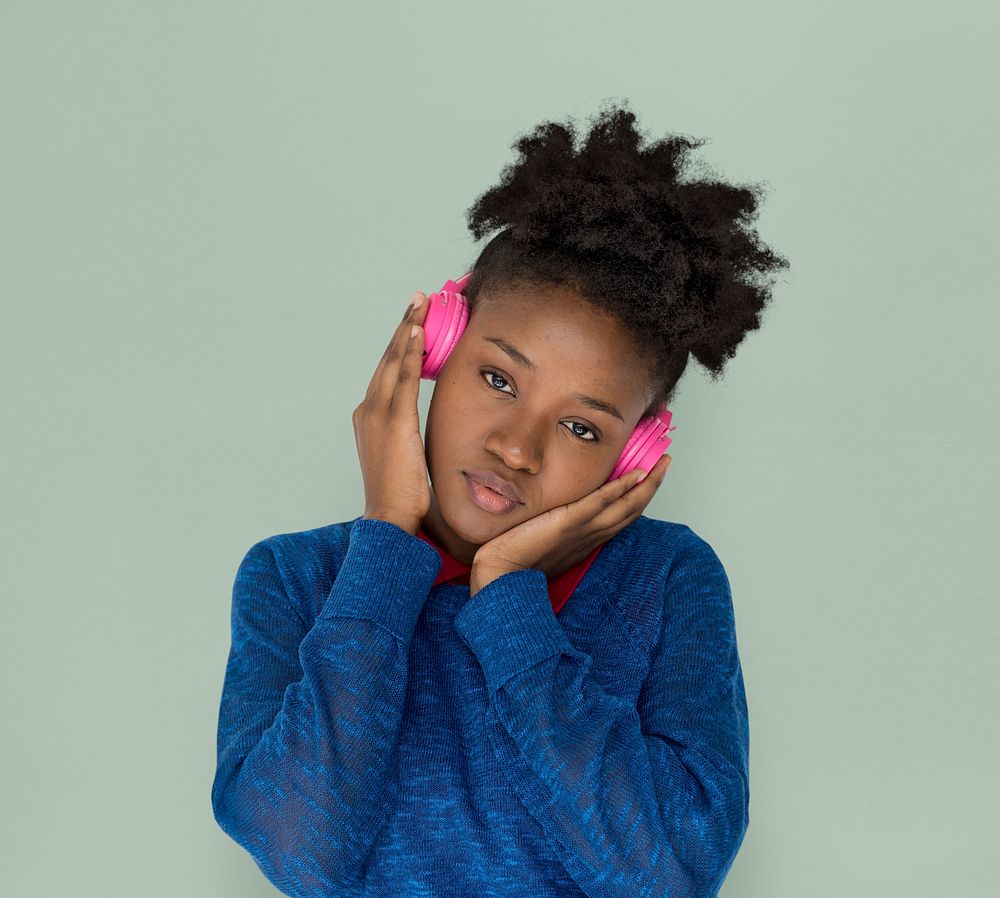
x=476, y=527
x=473, y=525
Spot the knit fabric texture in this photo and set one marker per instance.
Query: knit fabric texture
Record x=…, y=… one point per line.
x=380, y=735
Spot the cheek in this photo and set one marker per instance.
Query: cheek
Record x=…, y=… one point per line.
x=586, y=481
x=593, y=472
x=445, y=416
x=456, y=402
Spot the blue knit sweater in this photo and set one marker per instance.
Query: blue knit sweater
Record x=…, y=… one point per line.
x=379, y=735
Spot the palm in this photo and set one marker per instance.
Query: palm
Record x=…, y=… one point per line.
x=563, y=536
x=541, y=542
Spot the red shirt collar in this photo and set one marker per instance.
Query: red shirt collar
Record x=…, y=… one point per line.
x=560, y=588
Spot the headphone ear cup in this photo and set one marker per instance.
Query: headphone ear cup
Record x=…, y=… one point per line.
x=445, y=322
x=648, y=442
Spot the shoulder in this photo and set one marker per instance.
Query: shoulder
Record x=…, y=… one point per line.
x=695, y=594
x=666, y=549
x=308, y=562
x=664, y=570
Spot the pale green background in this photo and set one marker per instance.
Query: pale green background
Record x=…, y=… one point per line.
x=212, y=217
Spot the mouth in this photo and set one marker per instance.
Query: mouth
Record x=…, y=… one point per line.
x=488, y=499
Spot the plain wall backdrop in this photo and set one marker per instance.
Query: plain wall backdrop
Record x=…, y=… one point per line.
x=212, y=216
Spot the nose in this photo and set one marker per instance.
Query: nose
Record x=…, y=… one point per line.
x=517, y=442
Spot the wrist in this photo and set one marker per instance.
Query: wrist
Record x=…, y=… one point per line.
x=401, y=522
x=477, y=580
x=482, y=574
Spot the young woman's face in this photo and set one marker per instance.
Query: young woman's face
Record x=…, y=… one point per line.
x=491, y=412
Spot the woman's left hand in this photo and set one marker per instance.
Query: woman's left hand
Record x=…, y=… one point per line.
x=563, y=536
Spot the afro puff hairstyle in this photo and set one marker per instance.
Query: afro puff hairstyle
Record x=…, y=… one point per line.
x=674, y=261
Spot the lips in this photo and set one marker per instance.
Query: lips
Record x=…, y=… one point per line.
x=497, y=484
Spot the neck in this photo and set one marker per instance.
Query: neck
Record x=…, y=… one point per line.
x=435, y=527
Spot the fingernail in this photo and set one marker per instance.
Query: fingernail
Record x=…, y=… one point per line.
x=416, y=300
x=642, y=476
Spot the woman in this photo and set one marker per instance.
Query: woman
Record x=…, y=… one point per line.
x=509, y=680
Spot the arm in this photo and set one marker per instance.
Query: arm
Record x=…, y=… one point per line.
x=309, y=721
x=644, y=800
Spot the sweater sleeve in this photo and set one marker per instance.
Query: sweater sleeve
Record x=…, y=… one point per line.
x=650, y=799
x=309, y=719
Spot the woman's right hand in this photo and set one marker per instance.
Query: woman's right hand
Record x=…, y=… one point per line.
x=387, y=430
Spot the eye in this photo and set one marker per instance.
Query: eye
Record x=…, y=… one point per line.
x=491, y=376
x=593, y=436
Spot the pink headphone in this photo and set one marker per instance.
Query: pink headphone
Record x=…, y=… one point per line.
x=445, y=321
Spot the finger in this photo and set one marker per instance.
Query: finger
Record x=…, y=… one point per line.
x=616, y=507
x=408, y=376
x=375, y=384
x=602, y=508
x=383, y=382
x=646, y=485
x=404, y=372
x=628, y=483
x=657, y=472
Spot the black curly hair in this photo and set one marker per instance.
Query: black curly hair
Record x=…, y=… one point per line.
x=673, y=260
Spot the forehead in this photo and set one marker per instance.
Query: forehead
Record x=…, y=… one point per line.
x=559, y=331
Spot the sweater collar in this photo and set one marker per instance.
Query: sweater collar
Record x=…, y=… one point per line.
x=560, y=588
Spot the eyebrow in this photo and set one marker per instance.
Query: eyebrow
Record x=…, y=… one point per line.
x=598, y=405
